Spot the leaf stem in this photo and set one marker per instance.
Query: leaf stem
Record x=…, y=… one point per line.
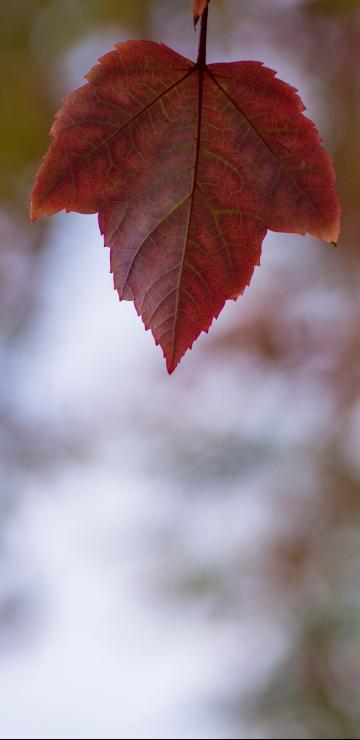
x=201, y=60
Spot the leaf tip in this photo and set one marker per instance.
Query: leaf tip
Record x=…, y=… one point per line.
x=35, y=211
x=333, y=236
x=171, y=364
x=34, y=215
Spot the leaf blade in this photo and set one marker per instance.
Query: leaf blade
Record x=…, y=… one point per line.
x=292, y=141
x=96, y=114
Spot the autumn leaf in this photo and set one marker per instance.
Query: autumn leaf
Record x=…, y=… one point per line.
x=187, y=165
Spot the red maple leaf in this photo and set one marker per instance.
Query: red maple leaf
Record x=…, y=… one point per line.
x=188, y=165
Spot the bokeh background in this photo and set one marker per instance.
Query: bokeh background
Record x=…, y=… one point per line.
x=179, y=557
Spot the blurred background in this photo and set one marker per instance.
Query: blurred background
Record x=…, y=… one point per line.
x=179, y=556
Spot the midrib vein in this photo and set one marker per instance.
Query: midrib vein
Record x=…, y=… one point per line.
x=192, y=199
